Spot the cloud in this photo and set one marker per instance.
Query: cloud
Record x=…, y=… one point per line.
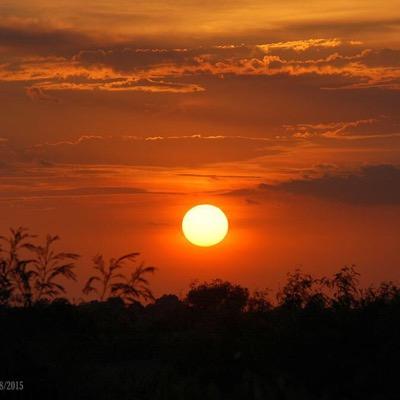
x=29, y=37
x=202, y=20
x=115, y=85
x=47, y=74
x=329, y=130
x=358, y=129
x=374, y=28
x=156, y=151
x=301, y=45
x=370, y=185
x=343, y=64
x=130, y=59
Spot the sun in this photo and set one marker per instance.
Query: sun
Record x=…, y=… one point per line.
x=205, y=225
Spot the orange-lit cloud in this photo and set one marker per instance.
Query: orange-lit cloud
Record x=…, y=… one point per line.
x=345, y=64
x=303, y=45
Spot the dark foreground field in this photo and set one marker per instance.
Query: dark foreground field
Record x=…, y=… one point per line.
x=320, y=339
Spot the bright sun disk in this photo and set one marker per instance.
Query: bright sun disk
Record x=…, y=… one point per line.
x=205, y=225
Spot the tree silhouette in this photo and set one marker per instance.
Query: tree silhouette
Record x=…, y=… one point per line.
x=297, y=291
x=129, y=289
x=385, y=293
x=48, y=266
x=217, y=296
x=259, y=302
x=345, y=287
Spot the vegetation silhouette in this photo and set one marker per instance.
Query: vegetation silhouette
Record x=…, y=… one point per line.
x=48, y=266
x=24, y=281
x=319, y=338
x=113, y=282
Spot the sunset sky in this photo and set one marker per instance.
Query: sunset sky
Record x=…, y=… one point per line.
x=118, y=116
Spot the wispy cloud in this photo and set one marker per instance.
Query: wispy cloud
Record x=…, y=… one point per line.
x=347, y=130
x=156, y=150
x=303, y=45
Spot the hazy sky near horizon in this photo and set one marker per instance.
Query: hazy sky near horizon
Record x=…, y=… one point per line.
x=118, y=116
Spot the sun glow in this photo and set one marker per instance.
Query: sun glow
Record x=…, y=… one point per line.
x=205, y=225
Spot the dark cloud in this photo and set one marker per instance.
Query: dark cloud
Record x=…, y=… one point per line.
x=34, y=39
x=371, y=185
x=129, y=59
x=382, y=58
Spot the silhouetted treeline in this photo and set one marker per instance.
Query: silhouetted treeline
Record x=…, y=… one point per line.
x=317, y=338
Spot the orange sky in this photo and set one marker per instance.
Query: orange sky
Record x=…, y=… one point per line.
x=116, y=117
